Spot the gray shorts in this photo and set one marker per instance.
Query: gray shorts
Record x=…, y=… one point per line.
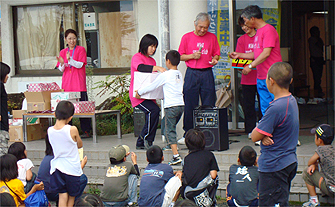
x=4, y=137
x=314, y=180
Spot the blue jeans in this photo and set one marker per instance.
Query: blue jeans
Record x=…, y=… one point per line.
x=265, y=97
x=197, y=82
x=132, y=193
x=171, y=119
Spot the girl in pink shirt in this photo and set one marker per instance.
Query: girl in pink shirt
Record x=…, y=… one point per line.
x=72, y=61
x=143, y=62
x=245, y=44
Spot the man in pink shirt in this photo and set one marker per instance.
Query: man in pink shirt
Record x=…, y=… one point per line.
x=266, y=51
x=201, y=51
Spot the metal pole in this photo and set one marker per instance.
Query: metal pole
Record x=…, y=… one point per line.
x=233, y=79
x=164, y=35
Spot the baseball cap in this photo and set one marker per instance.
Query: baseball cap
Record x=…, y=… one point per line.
x=117, y=152
x=126, y=148
x=324, y=132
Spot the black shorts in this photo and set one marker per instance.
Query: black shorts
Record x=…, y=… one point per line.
x=274, y=187
x=63, y=183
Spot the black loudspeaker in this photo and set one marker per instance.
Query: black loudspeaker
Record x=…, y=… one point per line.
x=213, y=122
x=139, y=120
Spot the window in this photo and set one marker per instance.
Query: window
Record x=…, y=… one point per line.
x=106, y=29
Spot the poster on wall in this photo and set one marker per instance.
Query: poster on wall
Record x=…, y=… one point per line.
x=219, y=25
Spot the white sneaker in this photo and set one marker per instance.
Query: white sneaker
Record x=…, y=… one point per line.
x=181, y=141
x=311, y=203
x=258, y=143
x=298, y=144
x=163, y=138
x=249, y=135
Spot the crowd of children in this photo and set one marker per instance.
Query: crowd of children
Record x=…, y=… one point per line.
x=263, y=181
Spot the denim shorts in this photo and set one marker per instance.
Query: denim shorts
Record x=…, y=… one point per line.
x=63, y=183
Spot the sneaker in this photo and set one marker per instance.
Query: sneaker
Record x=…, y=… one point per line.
x=85, y=135
x=140, y=147
x=249, y=135
x=298, y=144
x=258, y=143
x=166, y=148
x=147, y=144
x=181, y=141
x=311, y=203
x=175, y=161
x=163, y=138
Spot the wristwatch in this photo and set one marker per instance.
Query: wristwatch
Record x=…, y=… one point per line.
x=250, y=66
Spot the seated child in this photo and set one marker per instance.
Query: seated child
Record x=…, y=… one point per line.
x=18, y=149
x=159, y=185
x=242, y=189
x=9, y=182
x=200, y=180
x=325, y=157
x=65, y=167
x=172, y=82
x=120, y=184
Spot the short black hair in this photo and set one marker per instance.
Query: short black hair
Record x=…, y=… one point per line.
x=6, y=199
x=282, y=73
x=247, y=156
x=48, y=147
x=252, y=11
x=64, y=110
x=146, y=41
x=173, y=56
x=8, y=167
x=240, y=21
x=17, y=149
x=69, y=31
x=315, y=31
x=88, y=200
x=154, y=154
x=4, y=70
x=195, y=140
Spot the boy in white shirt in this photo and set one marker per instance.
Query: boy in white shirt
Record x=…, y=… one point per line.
x=172, y=82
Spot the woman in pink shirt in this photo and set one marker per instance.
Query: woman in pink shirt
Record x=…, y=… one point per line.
x=143, y=62
x=72, y=61
x=245, y=44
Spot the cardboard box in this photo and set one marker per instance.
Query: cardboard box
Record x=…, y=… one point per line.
x=84, y=107
x=144, y=79
x=39, y=87
x=65, y=95
x=33, y=133
x=39, y=101
x=54, y=103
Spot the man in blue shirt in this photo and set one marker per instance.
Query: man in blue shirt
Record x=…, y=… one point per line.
x=278, y=131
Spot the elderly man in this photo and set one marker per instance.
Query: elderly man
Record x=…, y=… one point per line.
x=266, y=51
x=201, y=51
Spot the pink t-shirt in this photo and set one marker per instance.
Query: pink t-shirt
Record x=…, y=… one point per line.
x=138, y=59
x=265, y=37
x=245, y=44
x=191, y=43
x=74, y=79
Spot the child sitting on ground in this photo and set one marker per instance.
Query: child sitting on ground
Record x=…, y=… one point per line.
x=9, y=182
x=172, y=82
x=200, y=180
x=159, y=186
x=18, y=149
x=325, y=157
x=242, y=189
x=120, y=184
x=65, y=167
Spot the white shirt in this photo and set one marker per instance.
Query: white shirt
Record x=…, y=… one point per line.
x=172, y=81
x=23, y=165
x=66, y=155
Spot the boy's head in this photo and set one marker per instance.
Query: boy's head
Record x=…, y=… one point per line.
x=325, y=133
x=195, y=140
x=247, y=156
x=117, y=154
x=281, y=73
x=155, y=155
x=64, y=110
x=173, y=56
